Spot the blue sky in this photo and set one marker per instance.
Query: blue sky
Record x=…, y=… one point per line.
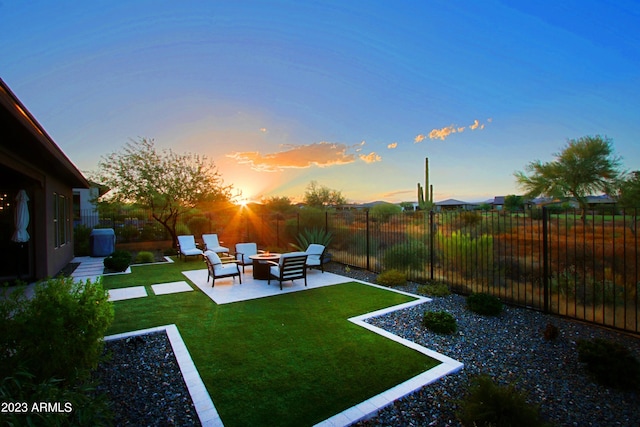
x=353, y=95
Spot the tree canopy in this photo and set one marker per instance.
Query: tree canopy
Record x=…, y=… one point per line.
x=320, y=196
x=584, y=167
x=167, y=183
x=629, y=192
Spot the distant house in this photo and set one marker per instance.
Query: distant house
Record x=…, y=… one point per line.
x=497, y=203
x=85, y=210
x=30, y=160
x=454, y=205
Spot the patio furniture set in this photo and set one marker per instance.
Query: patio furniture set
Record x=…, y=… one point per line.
x=266, y=266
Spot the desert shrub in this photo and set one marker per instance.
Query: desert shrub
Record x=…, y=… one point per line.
x=127, y=233
x=58, y=333
x=118, y=261
x=550, y=332
x=392, y=278
x=467, y=254
x=152, y=231
x=435, y=289
x=383, y=212
x=488, y=404
x=439, y=322
x=484, y=304
x=145, y=257
x=81, y=240
x=412, y=255
x=610, y=363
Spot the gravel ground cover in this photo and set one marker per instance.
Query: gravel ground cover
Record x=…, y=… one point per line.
x=144, y=384
x=512, y=350
x=146, y=387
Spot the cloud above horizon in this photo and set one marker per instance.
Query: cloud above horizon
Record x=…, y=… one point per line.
x=445, y=132
x=321, y=154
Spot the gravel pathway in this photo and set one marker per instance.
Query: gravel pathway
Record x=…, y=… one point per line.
x=146, y=388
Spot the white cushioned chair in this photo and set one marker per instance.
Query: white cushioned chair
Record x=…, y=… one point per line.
x=218, y=269
x=211, y=243
x=187, y=246
x=315, y=253
x=243, y=251
x=291, y=266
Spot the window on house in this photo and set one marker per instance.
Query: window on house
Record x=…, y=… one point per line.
x=61, y=220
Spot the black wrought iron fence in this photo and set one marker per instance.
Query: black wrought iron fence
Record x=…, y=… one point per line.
x=556, y=262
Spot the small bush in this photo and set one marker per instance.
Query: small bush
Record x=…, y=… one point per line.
x=392, y=278
x=118, y=261
x=550, y=332
x=406, y=256
x=489, y=404
x=435, y=289
x=439, y=322
x=145, y=257
x=485, y=304
x=610, y=363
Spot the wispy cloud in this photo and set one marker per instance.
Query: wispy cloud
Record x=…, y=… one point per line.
x=445, y=132
x=321, y=154
x=392, y=145
x=263, y=130
x=370, y=158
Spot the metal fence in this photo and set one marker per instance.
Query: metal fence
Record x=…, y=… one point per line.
x=556, y=262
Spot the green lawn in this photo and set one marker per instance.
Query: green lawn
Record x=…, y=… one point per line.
x=293, y=359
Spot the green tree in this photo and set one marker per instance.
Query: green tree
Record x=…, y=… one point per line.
x=279, y=205
x=629, y=191
x=513, y=203
x=320, y=196
x=166, y=183
x=585, y=166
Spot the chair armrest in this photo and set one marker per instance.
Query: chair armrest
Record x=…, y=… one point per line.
x=261, y=251
x=272, y=262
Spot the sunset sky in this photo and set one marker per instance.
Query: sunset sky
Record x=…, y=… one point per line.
x=351, y=94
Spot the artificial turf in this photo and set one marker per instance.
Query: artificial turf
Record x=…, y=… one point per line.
x=292, y=359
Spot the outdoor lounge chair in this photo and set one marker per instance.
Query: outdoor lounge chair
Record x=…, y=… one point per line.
x=291, y=266
x=218, y=269
x=243, y=251
x=211, y=243
x=315, y=256
x=187, y=246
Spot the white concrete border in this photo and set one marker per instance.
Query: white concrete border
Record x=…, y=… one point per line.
x=205, y=408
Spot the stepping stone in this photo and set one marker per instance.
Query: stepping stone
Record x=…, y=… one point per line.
x=127, y=293
x=171, y=288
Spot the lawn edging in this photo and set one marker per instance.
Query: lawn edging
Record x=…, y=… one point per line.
x=205, y=408
x=370, y=407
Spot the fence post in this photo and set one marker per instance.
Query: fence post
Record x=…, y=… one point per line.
x=545, y=257
x=367, y=240
x=431, y=242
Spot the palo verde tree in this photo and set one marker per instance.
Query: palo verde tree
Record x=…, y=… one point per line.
x=320, y=196
x=167, y=183
x=585, y=166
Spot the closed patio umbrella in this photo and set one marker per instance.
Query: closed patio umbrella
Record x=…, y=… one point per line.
x=21, y=235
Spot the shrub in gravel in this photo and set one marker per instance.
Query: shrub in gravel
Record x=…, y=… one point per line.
x=144, y=257
x=392, y=278
x=435, y=289
x=118, y=261
x=610, y=363
x=484, y=304
x=489, y=404
x=550, y=332
x=439, y=322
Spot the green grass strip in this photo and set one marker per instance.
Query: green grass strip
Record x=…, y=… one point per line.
x=293, y=359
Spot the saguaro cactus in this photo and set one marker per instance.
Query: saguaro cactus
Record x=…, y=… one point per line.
x=428, y=203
